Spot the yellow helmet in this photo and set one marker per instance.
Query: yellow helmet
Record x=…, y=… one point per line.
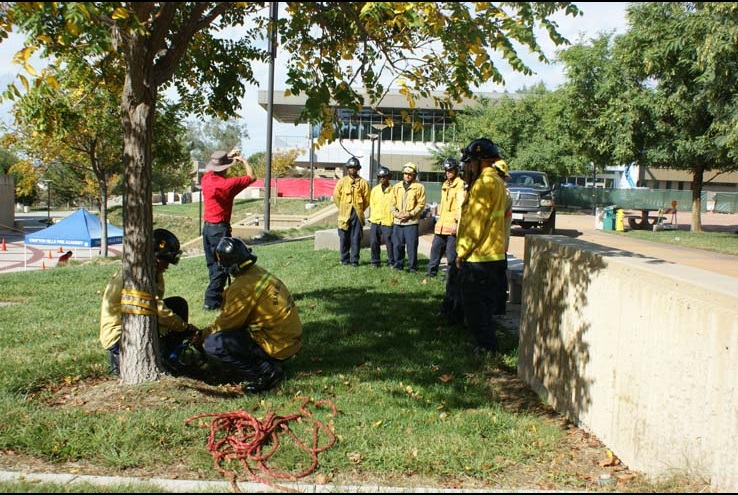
x=501, y=165
x=410, y=168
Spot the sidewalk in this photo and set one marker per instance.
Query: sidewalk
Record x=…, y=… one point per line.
x=581, y=226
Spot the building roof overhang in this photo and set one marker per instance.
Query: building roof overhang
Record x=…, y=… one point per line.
x=287, y=108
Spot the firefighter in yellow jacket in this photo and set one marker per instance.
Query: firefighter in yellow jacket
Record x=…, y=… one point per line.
x=407, y=202
x=480, y=244
x=449, y=211
x=258, y=326
x=351, y=196
x=381, y=219
x=172, y=312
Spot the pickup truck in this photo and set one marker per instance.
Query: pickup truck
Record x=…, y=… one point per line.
x=533, y=200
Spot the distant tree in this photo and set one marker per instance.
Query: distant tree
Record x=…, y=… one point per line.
x=214, y=134
x=258, y=163
x=171, y=167
x=528, y=126
x=671, y=46
x=609, y=112
x=7, y=159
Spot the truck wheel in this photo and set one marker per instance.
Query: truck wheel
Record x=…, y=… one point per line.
x=549, y=226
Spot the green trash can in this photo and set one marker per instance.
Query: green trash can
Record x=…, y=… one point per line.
x=608, y=218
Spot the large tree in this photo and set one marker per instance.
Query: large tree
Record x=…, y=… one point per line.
x=687, y=51
x=337, y=54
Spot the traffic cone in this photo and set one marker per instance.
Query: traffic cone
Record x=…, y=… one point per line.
x=43, y=265
x=59, y=250
x=3, y=247
x=50, y=257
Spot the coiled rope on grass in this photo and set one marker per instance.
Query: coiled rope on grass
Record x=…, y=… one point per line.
x=239, y=436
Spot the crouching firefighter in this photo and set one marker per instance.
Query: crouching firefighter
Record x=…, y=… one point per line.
x=258, y=326
x=172, y=312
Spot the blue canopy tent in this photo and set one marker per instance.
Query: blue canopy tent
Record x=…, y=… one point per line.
x=80, y=229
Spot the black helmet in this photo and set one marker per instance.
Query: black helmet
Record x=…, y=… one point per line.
x=166, y=246
x=383, y=172
x=233, y=255
x=450, y=163
x=481, y=148
x=353, y=162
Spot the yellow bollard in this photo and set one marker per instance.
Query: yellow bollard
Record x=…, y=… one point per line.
x=619, y=215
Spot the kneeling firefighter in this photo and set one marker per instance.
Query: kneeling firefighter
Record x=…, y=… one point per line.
x=258, y=326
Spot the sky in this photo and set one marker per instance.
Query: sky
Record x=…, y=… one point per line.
x=598, y=17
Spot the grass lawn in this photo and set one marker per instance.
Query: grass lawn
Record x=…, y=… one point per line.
x=415, y=407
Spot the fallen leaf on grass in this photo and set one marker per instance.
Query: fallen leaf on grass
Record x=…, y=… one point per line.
x=611, y=460
x=445, y=378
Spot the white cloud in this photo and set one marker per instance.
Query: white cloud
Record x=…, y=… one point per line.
x=598, y=17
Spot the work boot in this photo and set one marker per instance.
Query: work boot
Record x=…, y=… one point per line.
x=113, y=361
x=271, y=374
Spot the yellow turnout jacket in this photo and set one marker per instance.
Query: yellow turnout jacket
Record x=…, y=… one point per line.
x=350, y=194
x=481, y=234
x=258, y=302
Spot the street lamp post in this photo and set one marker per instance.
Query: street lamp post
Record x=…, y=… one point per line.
x=372, y=169
x=48, y=201
x=379, y=128
x=594, y=188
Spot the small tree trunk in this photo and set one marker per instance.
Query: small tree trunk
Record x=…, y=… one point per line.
x=139, y=360
x=697, y=179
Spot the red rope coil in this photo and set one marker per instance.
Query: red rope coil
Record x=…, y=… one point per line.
x=238, y=436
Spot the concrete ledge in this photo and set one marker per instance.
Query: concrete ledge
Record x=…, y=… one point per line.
x=641, y=352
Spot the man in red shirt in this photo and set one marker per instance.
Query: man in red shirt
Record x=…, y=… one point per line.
x=218, y=193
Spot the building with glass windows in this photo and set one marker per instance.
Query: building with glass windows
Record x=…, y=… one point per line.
x=367, y=134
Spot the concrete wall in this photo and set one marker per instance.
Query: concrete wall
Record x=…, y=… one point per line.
x=7, y=201
x=640, y=352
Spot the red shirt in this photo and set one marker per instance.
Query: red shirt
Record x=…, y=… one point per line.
x=218, y=193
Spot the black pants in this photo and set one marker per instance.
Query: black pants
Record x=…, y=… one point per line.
x=479, y=284
x=378, y=233
x=452, y=307
x=349, y=241
x=406, y=236
x=238, y=352
x=442, y=243
x=212, y=233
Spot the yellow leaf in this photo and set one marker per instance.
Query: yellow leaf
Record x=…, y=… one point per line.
x=120, y=13
x=53, y=82
x=378, y=423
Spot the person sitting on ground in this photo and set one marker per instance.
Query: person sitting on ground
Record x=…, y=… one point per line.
x=64, y=258
x=172, y=312
x=258, y=326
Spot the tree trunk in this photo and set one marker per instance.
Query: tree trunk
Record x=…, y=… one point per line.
x=697, y=179
x=139, y=360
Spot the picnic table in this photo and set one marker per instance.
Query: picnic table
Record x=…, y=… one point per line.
x=644, y=220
